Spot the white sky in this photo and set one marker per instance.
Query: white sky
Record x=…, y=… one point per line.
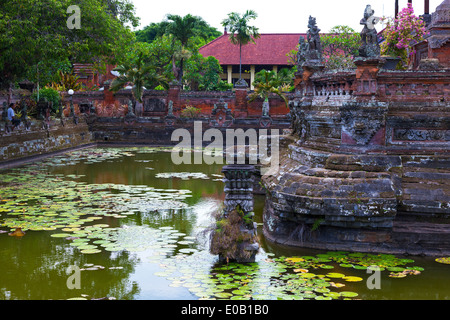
x=276, y=16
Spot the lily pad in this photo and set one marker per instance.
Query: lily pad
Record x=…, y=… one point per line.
x=335, y=275
x=60, y=235
x=90, y=251
x=352, y=279
x=348, y=294
x=445, y=260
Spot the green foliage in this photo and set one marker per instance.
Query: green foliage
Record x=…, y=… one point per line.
x=137, y=73
x=151, y=32
x=203, y=74
x=202, y=33
x=66, y=81
x=339, y=47
x=190, y=112
x=401, y=34
x=183, y=29
x=48, y=71
x=34, y=32
x=267, y=82
x=316, y=224
x=49, y=95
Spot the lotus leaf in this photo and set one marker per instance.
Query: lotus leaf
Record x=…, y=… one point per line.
x=445, y=260
x=352, y=279
x=348, y=294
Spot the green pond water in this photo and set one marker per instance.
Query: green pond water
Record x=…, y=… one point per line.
x=132, y=225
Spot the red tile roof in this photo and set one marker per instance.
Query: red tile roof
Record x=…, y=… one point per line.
x=269, y=49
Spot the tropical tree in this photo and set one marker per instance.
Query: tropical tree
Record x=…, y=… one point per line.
x=204, y=33
x=34, y=33
x=267, y=82
x=137, y=73
x=183, y=29
x=241, y=33
x=340, y=46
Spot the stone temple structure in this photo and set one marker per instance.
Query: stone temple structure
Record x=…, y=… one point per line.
x=366, y=164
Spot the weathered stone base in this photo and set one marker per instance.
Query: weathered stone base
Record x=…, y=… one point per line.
x=371, y=203
x=42, y=140
x=405, y=238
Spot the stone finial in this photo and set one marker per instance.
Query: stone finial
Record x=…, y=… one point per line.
x=312, y=50
x=369, y=40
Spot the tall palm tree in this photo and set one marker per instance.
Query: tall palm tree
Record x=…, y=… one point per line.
x=183, y=29
x=240, y=31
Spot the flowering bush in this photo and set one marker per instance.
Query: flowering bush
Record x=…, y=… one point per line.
x=402, y=34
x=340, y=46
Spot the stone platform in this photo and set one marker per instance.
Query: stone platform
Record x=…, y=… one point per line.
x=366, y=166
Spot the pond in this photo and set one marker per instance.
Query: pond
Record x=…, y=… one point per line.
x=128, y=224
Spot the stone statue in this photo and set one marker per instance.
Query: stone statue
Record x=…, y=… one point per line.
x=265, y=108
x=130, y=109
x=170, y=109
x=369, y=41
x=313, y=36
x=312, y=50
x=303, y=47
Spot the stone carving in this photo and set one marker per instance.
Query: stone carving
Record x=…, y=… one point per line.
x=130, y=109
x=265, y=120
x=170, y=109
x=313, y=35
x=24, y=117
x=369, y=41
x=361, y=122
x=302, y=50
x=238, y=187
x=221, y=115
x=313, y=49
x=238, y=202
x=421, y=135
x=170, y=118
x=130, y=117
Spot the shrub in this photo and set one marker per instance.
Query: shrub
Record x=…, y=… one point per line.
x=49, y=95
x=190, y=112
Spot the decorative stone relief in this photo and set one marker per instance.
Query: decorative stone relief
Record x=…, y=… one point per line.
x=421, y=135
x=221, y=115
x=361, y=122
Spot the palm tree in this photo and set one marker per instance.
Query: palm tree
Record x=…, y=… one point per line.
x=183, y=29
x=240, y=32
x=137, y=73
x=267, y=82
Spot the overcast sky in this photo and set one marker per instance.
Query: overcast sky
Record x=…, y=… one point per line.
x=276, y=16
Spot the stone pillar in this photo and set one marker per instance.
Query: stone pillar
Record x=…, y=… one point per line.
x=252, y=76
x=241, y=110
x=109, y=95
x=366, y=76
x=230, y=74
x=174, y=95
x=239, y=203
